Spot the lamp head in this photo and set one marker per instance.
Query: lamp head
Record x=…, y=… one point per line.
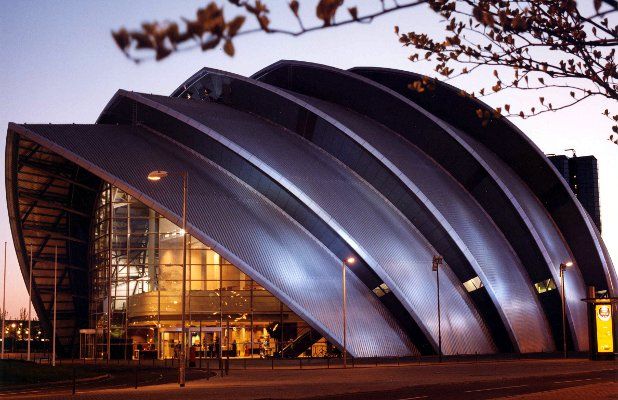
x=350, y=260
x=157, y=175
x=564, y=266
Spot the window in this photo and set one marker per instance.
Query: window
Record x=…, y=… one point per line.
x=146, y=260
x=473, y=284
x=545, y=285
x=381, y=290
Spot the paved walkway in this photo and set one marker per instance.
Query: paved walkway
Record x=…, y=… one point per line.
x=598, y=391
x=482, y=380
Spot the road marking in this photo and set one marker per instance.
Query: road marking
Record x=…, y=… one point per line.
x=417, y=397
x=20, y=391
x=578, y=380
x=497, y=388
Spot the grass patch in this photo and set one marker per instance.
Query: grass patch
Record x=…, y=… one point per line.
x=18, y=372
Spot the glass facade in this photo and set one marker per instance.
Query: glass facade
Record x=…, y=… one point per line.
x=136, y=256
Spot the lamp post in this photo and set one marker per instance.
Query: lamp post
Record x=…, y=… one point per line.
x=3, y=300
x=563, y=267
x=30, y=304
x=157, y=176
x=348, y=261
x=435, y=264
x=55, y=303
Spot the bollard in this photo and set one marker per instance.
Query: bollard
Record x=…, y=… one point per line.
x=300, y=363
x=327, y=363
x=136, y=371
x=272, y=363
x=397, y=361
x=208, y=369
x=74, y=383
x=227, y=366
x=353, y=362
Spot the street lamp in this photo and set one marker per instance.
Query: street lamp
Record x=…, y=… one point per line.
x=563, y=267
x=3, y=302
x=157, y=176
x=348, y=261
x=435, y=264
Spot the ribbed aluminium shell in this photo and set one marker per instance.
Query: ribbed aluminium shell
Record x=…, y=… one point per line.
x=387, y=241
x=294, y=169
x=236, y=222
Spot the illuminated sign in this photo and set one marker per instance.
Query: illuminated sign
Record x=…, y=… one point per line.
x=605, y=338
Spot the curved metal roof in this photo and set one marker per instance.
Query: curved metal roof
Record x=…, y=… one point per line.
x=554, y=247
x=485, y=247
x=396, y=251
x=303, y=164
x=297, y=115
x=433, y=137
x=237, y=222
x=232, y=157
x=527, y=161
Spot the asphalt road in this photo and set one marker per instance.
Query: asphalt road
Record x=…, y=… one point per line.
x=117, y=379
x=474, y=380
x=484, y=390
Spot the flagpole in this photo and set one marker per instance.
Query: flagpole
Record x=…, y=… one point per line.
x=30, y=304
x=55, y=293
x=3, y=300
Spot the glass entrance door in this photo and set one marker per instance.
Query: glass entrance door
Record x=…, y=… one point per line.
x=170, y=344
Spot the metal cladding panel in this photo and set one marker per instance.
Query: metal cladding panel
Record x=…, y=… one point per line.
x=550, y=237
x=237, y=222
x=432, y=136
x=484, y=245
x=372, y=226
x=525, y=158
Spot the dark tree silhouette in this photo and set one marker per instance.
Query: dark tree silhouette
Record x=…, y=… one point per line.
x=527, y=45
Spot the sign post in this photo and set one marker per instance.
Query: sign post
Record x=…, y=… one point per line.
x=601, y=325
x=603, y=320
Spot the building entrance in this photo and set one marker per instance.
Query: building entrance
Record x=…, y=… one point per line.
x=137, y=269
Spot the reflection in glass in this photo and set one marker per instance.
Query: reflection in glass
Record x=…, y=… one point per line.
x=228, y=312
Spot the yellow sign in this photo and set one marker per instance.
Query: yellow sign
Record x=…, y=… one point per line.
x=605, y=338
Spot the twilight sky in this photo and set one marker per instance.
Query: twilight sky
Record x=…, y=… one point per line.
x=58, y=64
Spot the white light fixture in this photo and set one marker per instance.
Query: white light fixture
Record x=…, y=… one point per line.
x=157, y=175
